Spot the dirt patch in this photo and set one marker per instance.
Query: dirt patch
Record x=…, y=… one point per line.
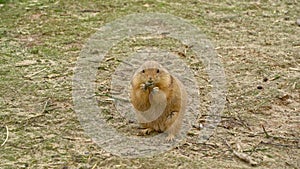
x=257, y=42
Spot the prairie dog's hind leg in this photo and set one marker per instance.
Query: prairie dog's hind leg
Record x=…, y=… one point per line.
x=170, y=137
x=173, y=123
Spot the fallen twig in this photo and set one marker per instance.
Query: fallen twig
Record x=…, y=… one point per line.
x=45, y=105
x=243, y=123
x=212, y=115
x=70, y=138
x=7, y=133
x=281, y=145
x=242, y=156
x=295, y=69
x=112, y=98
x=90, y=10
x=42, y=112
x=119, y=60
x=266, y=133
x=245, y=158
x=278, y=137
x=95, y=165
x=35, y=73
x=255, y=150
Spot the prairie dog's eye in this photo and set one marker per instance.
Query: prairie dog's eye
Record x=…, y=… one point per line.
x=157, y=71
x=143, y=71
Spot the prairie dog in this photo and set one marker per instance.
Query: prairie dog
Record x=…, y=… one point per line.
x=158, y=98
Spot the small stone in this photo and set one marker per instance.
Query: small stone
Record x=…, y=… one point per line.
x=191, y=133
x=201, y=126
x=298, y=22
x=265, y=79
x=130, y=121
x=284, y=97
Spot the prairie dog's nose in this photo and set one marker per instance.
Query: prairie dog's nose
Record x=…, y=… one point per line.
x=150, y=80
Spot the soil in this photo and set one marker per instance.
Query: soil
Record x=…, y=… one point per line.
x=257, y=42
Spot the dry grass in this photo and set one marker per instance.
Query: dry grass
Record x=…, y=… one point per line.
x=258, y=43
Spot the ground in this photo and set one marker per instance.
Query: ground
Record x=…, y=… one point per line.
x=257, y=42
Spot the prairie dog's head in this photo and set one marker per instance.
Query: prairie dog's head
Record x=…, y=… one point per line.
x=152, y=74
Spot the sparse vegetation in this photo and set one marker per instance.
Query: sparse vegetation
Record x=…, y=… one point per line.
x=258, y=43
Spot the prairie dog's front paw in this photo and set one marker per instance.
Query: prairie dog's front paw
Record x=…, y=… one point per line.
x=155, y=90
x=143, y=86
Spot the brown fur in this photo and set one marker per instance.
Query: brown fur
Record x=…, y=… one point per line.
x=170, y=120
